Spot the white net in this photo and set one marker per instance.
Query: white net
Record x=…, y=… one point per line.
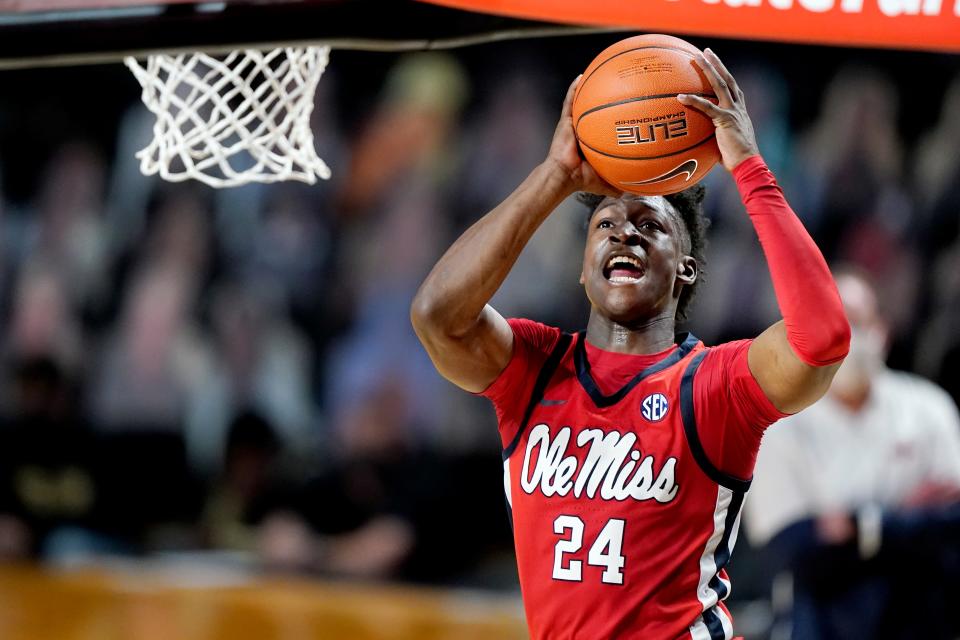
x=233, y=120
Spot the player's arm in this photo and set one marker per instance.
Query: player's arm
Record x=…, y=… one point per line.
x=795, y=360
x=468, y=341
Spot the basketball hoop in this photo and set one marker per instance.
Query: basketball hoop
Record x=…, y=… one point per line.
x=232, y=120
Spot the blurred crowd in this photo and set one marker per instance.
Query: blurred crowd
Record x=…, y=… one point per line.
x=184, y=368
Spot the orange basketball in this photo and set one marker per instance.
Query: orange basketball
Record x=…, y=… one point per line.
x=631, y=127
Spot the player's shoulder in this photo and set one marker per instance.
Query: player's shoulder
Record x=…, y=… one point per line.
x=532, y=344
x=724, y=353
x=537, y=336
x=730, y=346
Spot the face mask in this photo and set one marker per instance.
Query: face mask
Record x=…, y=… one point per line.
x=866, y=359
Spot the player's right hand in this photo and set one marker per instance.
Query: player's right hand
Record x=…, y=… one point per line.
x=564, y=155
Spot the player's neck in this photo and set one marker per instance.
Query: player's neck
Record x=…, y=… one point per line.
x=649, y=336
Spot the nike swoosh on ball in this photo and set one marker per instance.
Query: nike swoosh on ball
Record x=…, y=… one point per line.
x=689, y=167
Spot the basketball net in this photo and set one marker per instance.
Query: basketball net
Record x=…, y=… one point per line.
x=233, y=120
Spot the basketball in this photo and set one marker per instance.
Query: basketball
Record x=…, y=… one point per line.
x=630, y=126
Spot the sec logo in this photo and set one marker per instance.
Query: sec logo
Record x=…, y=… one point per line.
x=654, y=407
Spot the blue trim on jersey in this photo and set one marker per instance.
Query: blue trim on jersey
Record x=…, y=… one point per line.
x=687, y=343
x=693, y=436
x=718, y=586
x=714, y=624
x=722, y=555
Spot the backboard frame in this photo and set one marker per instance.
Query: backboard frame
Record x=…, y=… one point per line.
x=80, y=32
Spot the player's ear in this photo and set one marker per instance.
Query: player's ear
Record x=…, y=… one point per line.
x=687, y=270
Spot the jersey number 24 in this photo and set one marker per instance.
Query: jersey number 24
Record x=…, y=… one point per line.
x=605, y=551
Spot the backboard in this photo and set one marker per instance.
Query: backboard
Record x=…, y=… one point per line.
x=58, y=32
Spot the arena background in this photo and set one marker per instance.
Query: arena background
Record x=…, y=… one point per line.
x=142, y=322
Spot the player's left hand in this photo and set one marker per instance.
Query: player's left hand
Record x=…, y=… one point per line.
x=735, y=135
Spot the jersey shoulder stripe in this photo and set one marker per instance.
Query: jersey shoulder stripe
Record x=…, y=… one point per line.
x=689, y=418
x=539, y=387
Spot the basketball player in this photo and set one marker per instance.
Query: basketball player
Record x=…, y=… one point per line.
x=626, y=454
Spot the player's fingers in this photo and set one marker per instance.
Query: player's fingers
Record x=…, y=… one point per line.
x=720, y=86
x=701, y=104
x=568, y=101
x=721, y=68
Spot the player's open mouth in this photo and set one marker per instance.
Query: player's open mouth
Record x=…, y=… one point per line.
x=623, y=270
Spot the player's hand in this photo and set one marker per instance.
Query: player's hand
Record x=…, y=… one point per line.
x=564, y=155
x=735, y=135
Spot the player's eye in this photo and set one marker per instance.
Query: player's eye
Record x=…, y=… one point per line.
x=605, y=224
x=650, y=225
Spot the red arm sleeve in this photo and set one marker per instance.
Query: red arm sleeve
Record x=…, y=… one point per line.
x=732, y=410
x=510, y=392
x=816, y=325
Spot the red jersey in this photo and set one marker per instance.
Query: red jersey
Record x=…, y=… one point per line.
x=622, y=522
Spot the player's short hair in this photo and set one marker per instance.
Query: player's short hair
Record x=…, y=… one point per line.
x=688, y=204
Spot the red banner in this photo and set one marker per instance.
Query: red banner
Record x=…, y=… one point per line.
x=910, y=24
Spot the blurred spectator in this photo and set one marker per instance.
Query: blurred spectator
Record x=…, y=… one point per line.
x=859, y=495
x=357, y=518
x=147, y=376
x=938, y=347
x=147, y=372
x=383, y=263
x=936, y=174
x=128, y=189
x=49, y=481
x=288, y=247
x=409, y=131
x=387, y=507
x=851, y=156
x=937, y=182
x=261, y=362
x=238, y=496
x=176, y=234
x=43, y=323
x=70, y=234
x=179, y=235
x=508, y=135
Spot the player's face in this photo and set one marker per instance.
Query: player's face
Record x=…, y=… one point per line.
x=633, y=262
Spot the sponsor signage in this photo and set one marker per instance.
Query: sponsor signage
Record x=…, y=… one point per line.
x=910, y=24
